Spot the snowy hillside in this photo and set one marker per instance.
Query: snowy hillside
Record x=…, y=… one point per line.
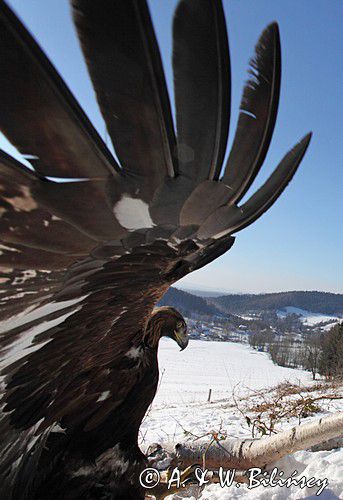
x=307, y=317
x=180, y=411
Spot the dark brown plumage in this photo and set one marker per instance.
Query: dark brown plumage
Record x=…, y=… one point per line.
x=83, y=263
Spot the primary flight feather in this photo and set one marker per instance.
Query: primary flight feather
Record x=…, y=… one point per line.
x=83, y=263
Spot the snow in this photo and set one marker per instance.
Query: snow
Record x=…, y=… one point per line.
x=180, y=411
x=320, y=465
x=307, y=317
x=328, y=327
x=247, y=317
x=187, y=376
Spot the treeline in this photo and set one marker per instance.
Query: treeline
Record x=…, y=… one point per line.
x=331, y=357
x=320, y=353
x=189, y=304
x=321, y=302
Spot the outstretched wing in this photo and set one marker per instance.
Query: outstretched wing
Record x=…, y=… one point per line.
x=82, y=263
x=77, y=287
x=71, y=310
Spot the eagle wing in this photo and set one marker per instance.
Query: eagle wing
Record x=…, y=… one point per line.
x=83, y=262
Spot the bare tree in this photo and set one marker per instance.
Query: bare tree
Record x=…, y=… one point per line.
x=312, y=353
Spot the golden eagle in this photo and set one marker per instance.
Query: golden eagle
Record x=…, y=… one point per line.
x=88, y=246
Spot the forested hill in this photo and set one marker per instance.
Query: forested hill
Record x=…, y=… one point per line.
x=187, y=303
x=320, y=302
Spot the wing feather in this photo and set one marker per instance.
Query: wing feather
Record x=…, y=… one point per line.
x=229, y=218
x=39, y=115
x=22, y=290
x=264, y=198
x=202, y=87
x=124, y=62
x=257, y=116
x=23, y=221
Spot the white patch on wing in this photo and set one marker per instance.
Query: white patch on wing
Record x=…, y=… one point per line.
x=16, y=296
x=25, y=344
x=23, y=203
x=32, y=442
x=19, y=280
x=7, y=249
x=37, y=313
x=132, y=213
x=15, y=464
x=123, y=311
x=6, y=270
x=33, y=438
x=57, y=428
x=134, y=353
x=104, y=395
x=83, y=471
x=174, y=244
x=117, y=462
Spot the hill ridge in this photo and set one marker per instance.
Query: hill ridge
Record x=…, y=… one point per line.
x=313, y=301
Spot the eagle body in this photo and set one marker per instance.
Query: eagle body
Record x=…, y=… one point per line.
x=107, y=463
x=89, y=244
x=104, y=461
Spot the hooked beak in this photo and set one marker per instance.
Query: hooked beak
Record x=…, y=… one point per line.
x=181, y=338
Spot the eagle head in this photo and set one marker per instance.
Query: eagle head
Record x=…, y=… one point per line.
x=167, y=322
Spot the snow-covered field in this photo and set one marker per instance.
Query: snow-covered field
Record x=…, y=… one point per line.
x=181, y=407
x=187, y=376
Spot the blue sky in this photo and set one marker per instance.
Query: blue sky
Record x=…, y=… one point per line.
x=298, y=244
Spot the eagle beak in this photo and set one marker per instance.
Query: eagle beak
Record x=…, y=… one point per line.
x=181, y=338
